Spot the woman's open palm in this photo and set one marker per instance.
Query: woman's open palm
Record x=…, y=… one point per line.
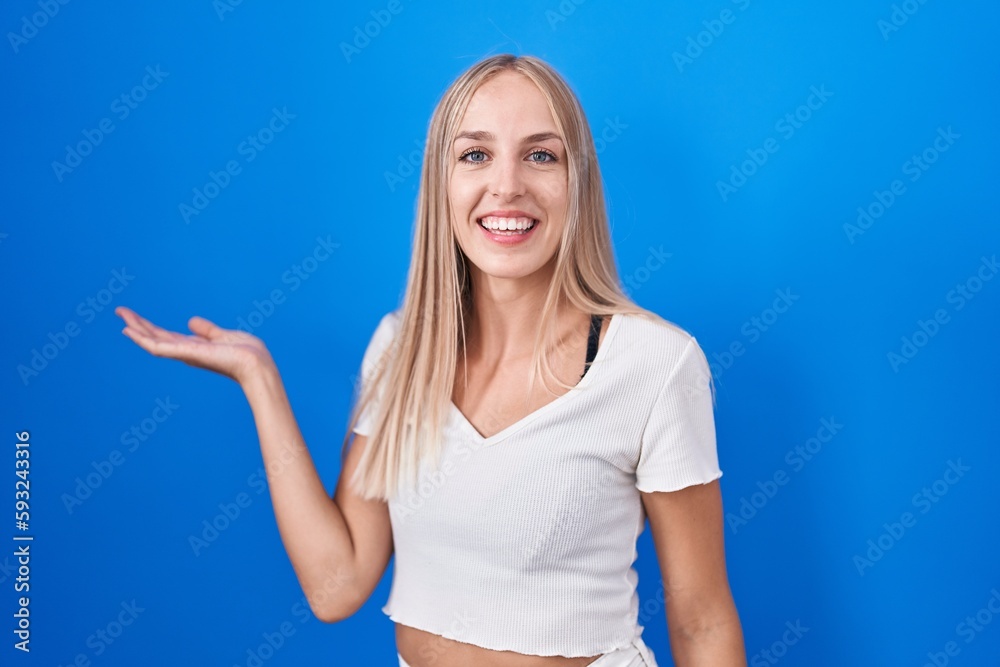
x=229, y=352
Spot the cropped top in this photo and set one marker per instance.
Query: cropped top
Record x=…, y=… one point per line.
x=525, y=540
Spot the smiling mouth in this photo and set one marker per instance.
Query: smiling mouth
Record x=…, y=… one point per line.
x=507, y=226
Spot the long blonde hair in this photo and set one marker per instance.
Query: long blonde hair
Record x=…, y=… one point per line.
x=419, y=366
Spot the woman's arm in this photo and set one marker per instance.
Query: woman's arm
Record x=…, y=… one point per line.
x=687, y=528
x=340, y=546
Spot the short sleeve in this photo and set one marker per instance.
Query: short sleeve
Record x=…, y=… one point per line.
x=678, y=447
x=379, y=343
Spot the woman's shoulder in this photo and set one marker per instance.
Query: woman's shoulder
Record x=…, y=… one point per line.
x=650, y=330
x=385, y=332
x=654, y=347
x=389, y=322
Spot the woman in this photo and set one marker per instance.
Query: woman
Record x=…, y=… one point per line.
x=512, y=509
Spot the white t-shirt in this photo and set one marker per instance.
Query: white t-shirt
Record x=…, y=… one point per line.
x=525, y=541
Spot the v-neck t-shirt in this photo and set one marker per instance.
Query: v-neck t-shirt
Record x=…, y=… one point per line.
x=525, y=540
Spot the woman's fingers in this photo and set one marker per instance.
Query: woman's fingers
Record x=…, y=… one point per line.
x=129, y=315
x=155, y=340
x=199, y=325
x=137, y=322
x=193, y=350
x=154, y=343
x=212, y=347
x=205, y=328
x=141, y=325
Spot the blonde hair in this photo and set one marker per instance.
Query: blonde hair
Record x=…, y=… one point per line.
x=419, y=366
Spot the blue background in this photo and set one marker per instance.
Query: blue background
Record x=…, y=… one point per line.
x=341, y=169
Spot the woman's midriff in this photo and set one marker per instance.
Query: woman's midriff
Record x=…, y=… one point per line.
x=425, y=649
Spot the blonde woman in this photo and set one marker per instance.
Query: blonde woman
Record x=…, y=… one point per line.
x=519, y=418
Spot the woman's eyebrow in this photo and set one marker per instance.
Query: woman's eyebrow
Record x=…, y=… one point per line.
x=541, y=136
x=482, y=135
x=475, y=135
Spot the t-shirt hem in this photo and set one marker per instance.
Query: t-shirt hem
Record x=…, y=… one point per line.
x=652, y=487
x=578, y=653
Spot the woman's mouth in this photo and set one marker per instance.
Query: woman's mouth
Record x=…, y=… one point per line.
x=496, y=226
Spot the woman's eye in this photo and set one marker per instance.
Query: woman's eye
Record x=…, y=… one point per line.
x=545, y=156
x=479, y=156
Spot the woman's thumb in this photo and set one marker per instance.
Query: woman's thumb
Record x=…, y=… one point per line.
x=204, y=327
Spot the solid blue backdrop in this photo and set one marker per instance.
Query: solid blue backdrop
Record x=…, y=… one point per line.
x=810, y=190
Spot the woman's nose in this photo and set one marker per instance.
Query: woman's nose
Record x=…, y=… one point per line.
x=507, y=178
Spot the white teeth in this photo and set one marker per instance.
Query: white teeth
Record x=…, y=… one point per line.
x=503, y=224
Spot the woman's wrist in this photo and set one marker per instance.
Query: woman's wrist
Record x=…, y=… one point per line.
x=260, y=378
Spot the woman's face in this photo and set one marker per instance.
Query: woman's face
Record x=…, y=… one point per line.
x=509, y=172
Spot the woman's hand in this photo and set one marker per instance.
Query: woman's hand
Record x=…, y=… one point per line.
x=235, y=354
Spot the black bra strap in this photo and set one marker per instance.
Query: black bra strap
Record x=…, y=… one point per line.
x=592, y=341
